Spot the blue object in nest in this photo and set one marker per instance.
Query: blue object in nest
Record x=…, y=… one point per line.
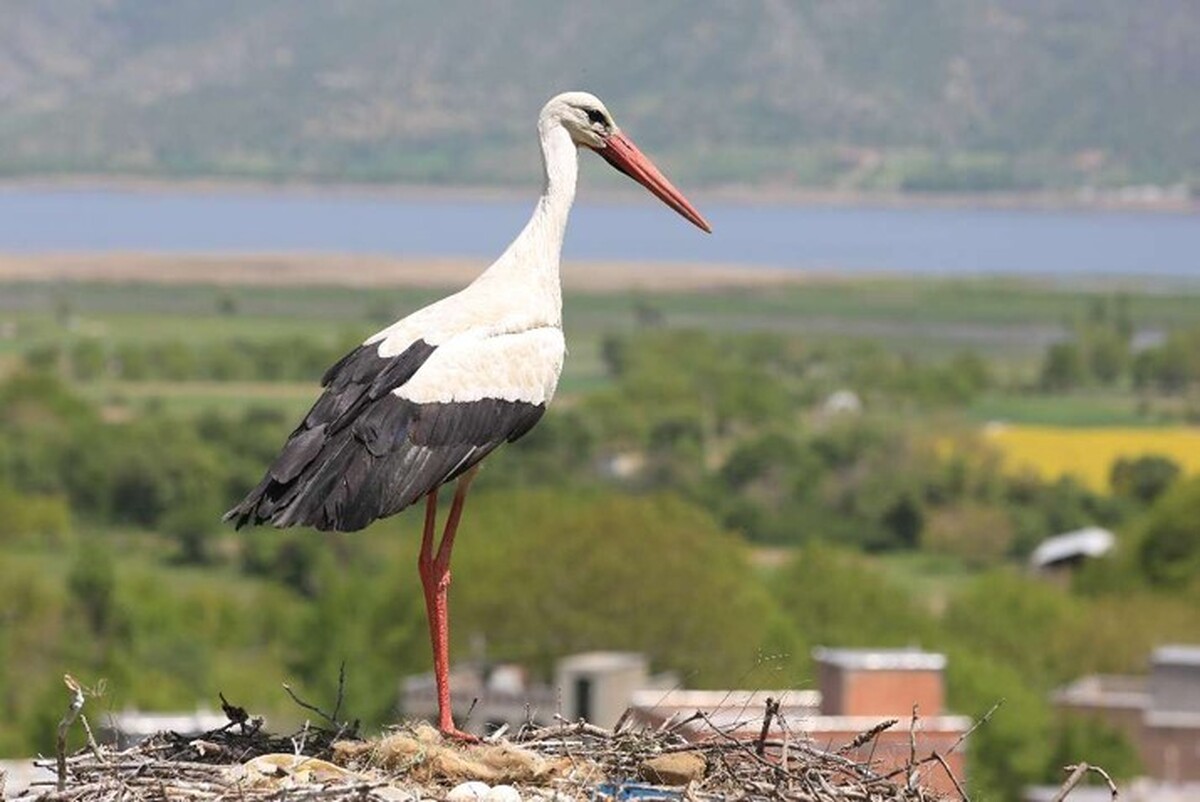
x=633, y=792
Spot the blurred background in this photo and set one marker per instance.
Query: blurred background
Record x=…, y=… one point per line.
x=933, y=382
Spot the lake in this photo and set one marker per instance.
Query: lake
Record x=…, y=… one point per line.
x=826, y=238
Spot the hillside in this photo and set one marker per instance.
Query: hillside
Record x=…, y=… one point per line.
x=971, y=95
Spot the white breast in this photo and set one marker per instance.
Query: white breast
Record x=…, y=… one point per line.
x=522, y=366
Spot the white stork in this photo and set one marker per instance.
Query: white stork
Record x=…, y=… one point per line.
x=423, y=401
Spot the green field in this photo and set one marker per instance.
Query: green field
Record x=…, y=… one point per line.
x=1010, y=322
x=1109, y=408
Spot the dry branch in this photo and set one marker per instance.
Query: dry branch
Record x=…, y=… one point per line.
x=64, y=727
x=1078, y=772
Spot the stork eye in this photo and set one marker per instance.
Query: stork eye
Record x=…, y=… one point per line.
x=596, y=116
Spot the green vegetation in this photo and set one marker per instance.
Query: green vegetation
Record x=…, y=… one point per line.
x=925, y=97
x=620, y=522
x=1100, y=353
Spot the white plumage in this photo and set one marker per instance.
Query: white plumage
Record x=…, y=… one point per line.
x=522, y=366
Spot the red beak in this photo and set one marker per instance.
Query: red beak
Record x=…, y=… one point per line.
x=621, y=153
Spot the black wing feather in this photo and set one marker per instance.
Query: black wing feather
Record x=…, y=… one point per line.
x=363, y=453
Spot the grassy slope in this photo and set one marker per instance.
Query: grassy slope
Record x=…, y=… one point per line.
x=950, y=94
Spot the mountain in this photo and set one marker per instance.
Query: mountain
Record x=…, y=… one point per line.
x=921, y=94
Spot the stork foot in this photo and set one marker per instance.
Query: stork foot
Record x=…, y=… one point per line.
x=452, y=733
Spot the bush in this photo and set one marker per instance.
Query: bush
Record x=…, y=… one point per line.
x=978, y=534
x=1170, y=547
x=1143, y=479
x=25, y=518
x=1077, y=738
x=836, y=598
x=546, y=574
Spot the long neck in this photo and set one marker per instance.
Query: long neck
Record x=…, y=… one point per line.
x=534, y=255
x=560, y=161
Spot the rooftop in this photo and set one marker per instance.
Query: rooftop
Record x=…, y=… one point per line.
x=1091, y=541
x=1105, y=690
x=881, y=659
x=1176, y=654
x=602, y=661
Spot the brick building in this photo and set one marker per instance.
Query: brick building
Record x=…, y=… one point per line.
x=1159, y=713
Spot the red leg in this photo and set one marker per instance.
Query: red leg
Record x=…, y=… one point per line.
x=435, y=579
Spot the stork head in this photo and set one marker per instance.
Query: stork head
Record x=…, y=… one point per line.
x=591, y=125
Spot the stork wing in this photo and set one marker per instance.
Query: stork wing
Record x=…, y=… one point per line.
x=388, y=430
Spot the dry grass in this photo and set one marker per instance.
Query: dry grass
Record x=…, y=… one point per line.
x=348, y=270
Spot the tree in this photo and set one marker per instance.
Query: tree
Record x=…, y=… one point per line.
x=1143, y=479
x=1029, y=625
x=1170, y=547
x=92, y=584
x=365, y=619
x=1007, y=753
x=1063, y=368
x=1173, y=366
x=546, y=574
x=1077, y=738
x=835, y=597
x=193, y=527
x=905, y=519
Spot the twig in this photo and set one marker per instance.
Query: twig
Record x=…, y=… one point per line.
x=470, y=710
x=91, y=739
x=957, y=785
x=299, y=741
x=771, y=711
x=911, y=776
x=308, y=706
x=863, y=738
x=64, y=726
x=341, y=691
x=1078, y=771
x=986, y=717
x=1112, y=786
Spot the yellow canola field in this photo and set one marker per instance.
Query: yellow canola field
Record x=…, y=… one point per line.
x=1089, y=453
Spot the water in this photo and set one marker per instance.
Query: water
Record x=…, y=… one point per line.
x=850, y=239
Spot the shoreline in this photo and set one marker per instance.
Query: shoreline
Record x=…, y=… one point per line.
x=1146, y=199
x=368, y=271
x=590, y=276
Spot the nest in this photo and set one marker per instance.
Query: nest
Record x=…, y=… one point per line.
x=560, y=763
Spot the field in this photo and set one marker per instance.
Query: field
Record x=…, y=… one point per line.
x=115, y=299
x=201, y=300
x=1088, y=453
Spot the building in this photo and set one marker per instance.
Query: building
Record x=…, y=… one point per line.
x=1159, y=713
x=598, y=686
